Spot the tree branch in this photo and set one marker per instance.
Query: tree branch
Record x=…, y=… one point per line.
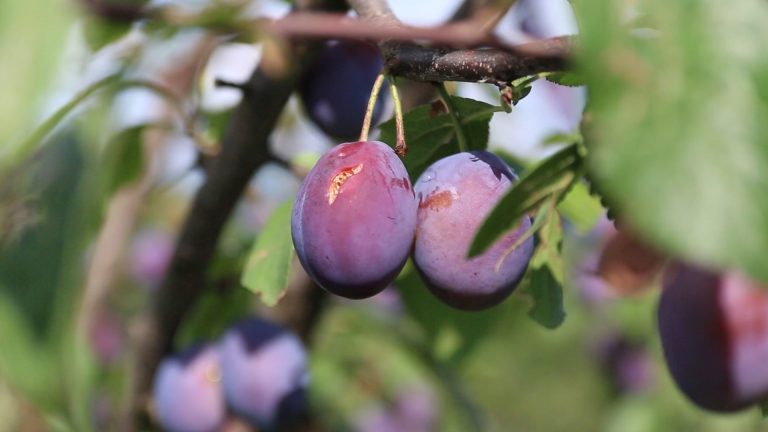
x=496, y=65
x=468, y=65
x=461, y=51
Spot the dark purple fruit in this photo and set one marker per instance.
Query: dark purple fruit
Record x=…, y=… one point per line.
x=335, y=92
x=354, y=219
x=714, y=334
x=455, y=195
x=264, y=373
x=186, y=391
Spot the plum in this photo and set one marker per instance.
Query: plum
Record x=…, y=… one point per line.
x=264, y=373
x=186, y=391
x=714, y=335
x=413, y=410
x=627, y=263
x=455, y=195
x=625, y=362
x=354, y=219
x=335, y=93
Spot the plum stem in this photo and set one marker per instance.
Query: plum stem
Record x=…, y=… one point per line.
x=401, y=148
x=371, y=106
x=460, y=137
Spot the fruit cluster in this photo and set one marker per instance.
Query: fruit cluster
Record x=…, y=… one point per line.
x=357, y=219
x=257, y=371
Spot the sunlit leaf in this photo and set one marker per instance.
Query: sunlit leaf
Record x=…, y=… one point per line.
x=553, y=175
x=678, y=132
x=547, y=275
x=581, y=208
x=269, y=261
x=568, y=79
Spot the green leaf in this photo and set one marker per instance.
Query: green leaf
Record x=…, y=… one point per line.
x=100, y=33
x=80, y=378
x=20, y=149
x=266, y=271
x=581, y=208
x=519, y=93
x=568, y=79
x=430, y=135
x=452, y=333
x=547, y=274
x=34, y=141
x=123, y=159
x=27, y=27
x=563, y=138
x=551, y=176
x=25, y=362
x=547, y=295
x=549, y=247
x=763, y=404
x=679, y=132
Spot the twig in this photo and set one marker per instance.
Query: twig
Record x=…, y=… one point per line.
x=371, y=107
x=400, y=148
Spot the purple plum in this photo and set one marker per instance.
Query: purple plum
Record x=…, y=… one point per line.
x=354, y=219
x=335, y=92
x=264, y=373
x=714, y=334
x=187, y=393
x=455, y=195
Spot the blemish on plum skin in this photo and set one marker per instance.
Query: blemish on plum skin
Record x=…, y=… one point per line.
x=437, y=200
x=401, y=182
x=339, y=179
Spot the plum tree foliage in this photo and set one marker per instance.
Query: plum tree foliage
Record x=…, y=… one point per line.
x=432, y=205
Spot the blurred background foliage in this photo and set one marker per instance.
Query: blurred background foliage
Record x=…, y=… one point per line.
x=79, y=104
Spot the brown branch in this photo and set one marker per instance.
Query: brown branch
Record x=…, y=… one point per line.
x=471, y=65
x=244, y=148
x=468, y=33
x=463, y=54
x=464, y=50
x=497, y=65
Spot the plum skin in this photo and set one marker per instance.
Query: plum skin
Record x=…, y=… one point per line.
x=714, y=336
x=186, y=391
x=335, y=92
x=264, y=373
x=354, y=219
x=455, y=195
